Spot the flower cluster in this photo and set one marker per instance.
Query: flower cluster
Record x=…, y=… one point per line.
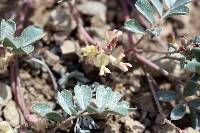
x=102, y=55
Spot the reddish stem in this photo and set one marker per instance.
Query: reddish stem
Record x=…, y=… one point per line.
x=15, y=84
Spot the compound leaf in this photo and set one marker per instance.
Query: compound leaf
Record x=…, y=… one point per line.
x=144, y=7
x=134, y=26
x=41, y=108
x=178, y=112
x=66, y=102
x=83, y=94
x=166, y=96
x=23, y=43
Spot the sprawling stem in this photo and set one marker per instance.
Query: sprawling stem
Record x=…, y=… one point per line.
x=152, y=86
x=15, y=84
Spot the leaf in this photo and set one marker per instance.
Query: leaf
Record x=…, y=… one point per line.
x=192, y=86
x=195, y=103
x=7, y=29
x=166, y=96
x=192, y=65
x=196, y=53
x=65, y=101
x=30, y=35
x=54, y=116
x=154, y=32
x=83, y=94
x=197, y=40
x=113, y=98
x=92, y=109
x=181, y=2
x=178, y=112
x=41, y=108
x=170, y=3
x=180, y=10
x=196, y=121
x=134, y=26
x=158, y=5
x=144, y=7
x=102, y=96
x=120, y=109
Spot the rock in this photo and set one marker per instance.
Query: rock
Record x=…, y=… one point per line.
x=132, y=126
x=61, y=21
x=51, y=58
x=11, y=113
x=163, y=129
x=5, y=127
x=5, y=94
x=93, y=8
x=112, y=127
x=69, y=47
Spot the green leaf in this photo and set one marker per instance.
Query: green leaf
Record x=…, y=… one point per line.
x=170, y=3
x=195, y=103
x=196, y=53
x=134, y=26
x=166, y=96
x=23, y=44
x=192, y=86
x=192, y=65
x=180, y=10
x=178, y=112
x=120, y=109
x=158, y=5
x=54, y=116
x=181, y=2
x=92, y=109
x=7, y=29
x=65, y=101
x=195, y=121
x=41, y=108
x=113, y=98
x=83, y=95
x=154, y=32
x=144, y=7
x=197, y=40
x=102, y=96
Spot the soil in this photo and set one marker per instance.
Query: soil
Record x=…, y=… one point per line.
x=60, y=26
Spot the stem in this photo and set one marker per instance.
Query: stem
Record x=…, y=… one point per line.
x=76, y=15
x=140, y=40
x=49, y=70
x=15, y=82
x=158, y=51
x=152, y=86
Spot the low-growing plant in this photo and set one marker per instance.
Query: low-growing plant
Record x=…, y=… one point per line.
x=188, y=54
x=106, y=102
x=11, y=45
